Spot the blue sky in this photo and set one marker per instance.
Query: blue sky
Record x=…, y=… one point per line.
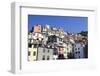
x=68, y=23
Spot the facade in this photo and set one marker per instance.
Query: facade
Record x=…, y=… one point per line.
x=55, y=53
x=69, y=47
x=45, y=53
x=32, y=53
x=65, y=50
x=60, y=52
x=78, y=50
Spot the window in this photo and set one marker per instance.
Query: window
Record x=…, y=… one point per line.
x=75, y=48
x=78, y=52
x=35, y=45
x=28, y=53
x=34, y=53
x=67, y=49
x=29, y=45
x=60, y=39
x=78, y=48
x=48, y=58
x=65, y=52
x=37, y=38
x=42, y=39
x=43, y=57
x=40, y=45
x=50, y=46
x=43, y=50
x=29, y=41
x=48, y=51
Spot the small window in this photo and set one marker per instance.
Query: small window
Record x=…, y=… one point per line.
x=35, y=45
x=65, y=52
x=29, y=41
x=42, y=39
x=37, y=38
x=48, y=57
x=43, y=50
x=43, y=57
x=78, y=52
x=59, y=39
x=29, y=45
x=48, y=51
x=34, y=53
x=51, y=46
x=40, y=45
x=75, y=48
x=28, y=53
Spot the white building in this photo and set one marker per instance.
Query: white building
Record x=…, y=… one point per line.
x=47, y=26
x=78, y=50
x=67, y=49
x=45, y=53
x=32, y=53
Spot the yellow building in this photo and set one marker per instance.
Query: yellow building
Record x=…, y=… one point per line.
x=32, y=53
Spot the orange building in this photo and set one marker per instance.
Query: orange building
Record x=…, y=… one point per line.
x=37, y=28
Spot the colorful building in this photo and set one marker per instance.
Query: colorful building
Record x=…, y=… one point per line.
x=37, y=28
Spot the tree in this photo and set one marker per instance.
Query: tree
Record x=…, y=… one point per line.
x=84, y=33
